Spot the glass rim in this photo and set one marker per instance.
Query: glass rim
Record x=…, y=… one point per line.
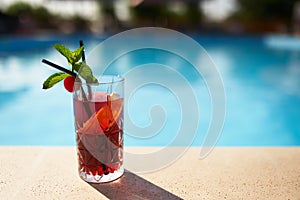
x=119, y=79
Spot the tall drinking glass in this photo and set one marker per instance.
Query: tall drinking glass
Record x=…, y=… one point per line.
x=98, y=112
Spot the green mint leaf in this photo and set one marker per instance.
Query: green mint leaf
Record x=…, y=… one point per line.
x=53, y=79
x=65, y=51
x=77, y=66
x=77, y=54
x=86, y=73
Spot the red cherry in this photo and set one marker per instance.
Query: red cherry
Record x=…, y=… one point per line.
x=69, y=83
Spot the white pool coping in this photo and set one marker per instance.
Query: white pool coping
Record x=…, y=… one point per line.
x=227, y=173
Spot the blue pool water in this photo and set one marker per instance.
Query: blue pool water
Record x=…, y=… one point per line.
x=261, y=76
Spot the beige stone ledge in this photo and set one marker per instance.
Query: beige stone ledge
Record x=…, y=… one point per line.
x=227, y=173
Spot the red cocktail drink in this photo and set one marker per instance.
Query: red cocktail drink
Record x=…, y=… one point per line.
x=99, y=136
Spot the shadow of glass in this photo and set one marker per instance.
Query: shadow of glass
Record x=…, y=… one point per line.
x=131, y=186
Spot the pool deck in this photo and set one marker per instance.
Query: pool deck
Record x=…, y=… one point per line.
x=227, y=173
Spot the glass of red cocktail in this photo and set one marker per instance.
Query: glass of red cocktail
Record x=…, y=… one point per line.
x=98, y=112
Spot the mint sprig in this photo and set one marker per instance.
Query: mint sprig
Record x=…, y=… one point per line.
x=73, y=58
x=53, y=79
x=85, y=72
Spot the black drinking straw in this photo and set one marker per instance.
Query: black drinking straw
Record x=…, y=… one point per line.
x=86, y=105
x=58, y=67
x=83, y=60
x=83, y=54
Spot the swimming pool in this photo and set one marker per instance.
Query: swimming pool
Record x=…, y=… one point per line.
x=260, y=75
